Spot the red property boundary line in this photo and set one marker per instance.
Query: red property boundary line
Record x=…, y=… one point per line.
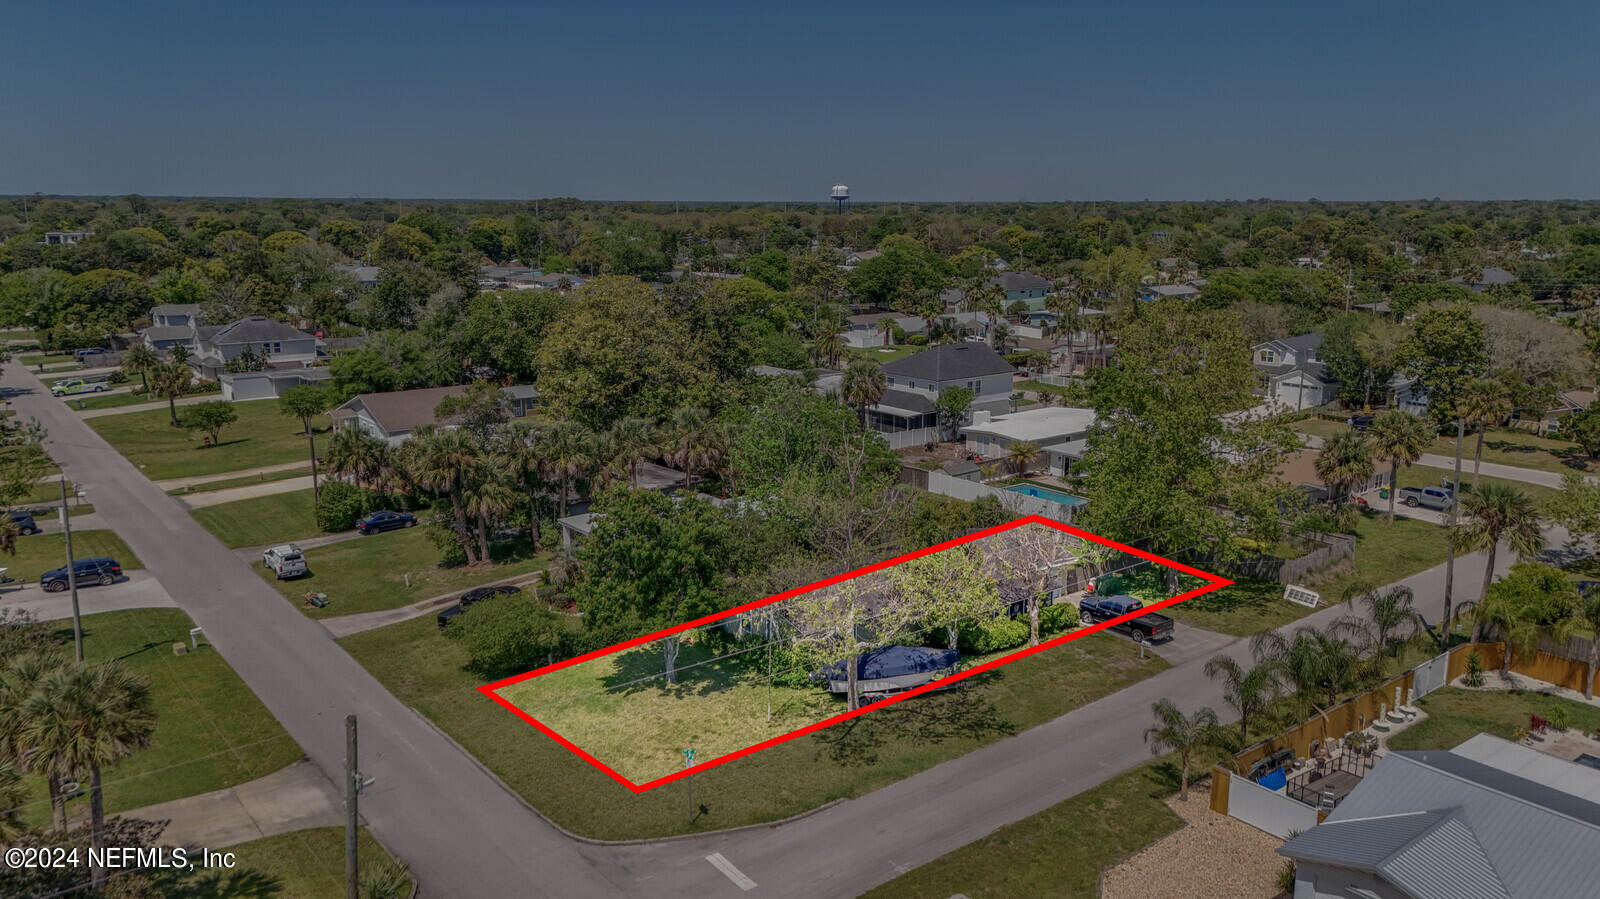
x=1213, y=582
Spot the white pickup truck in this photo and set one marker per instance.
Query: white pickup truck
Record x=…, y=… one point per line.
x=286, y=561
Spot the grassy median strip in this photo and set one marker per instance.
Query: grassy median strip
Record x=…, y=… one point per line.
x=1058, y=852
x=247, y=480
x=427, y=671
x=211, y=731
x=305, y=864
x=261, y=520
x=387, y=571
x=262, y=436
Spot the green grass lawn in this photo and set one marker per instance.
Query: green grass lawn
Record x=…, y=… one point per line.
x=46, y=497
x=1243, y=609
x=1041, y=387
x=1385, y=553
x=1321, y=427
x=211, y=731
x=1427, y=476
x=42, y=552
x=426, y=670
x=1058, y=852
x=276, y=518
x=34, y=359
x=262, y=436
x=260, y=477
x=1455, y=715
x=370, y=573
x=883, y=354
x=305, y=864
x=1504, y=447
x=115, y=400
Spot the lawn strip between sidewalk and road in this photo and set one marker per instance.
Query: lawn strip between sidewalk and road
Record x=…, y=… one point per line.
x=261, y=436
x=261, y=520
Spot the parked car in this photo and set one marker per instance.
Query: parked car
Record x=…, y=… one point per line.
x=481, y=593
x=444, y=617
x=286, y=561
x=86, y=352
x=1427, y=497
x=1359, y=422
x=385, y=520
x=102, y=570
x=23, y=519
x=73, y=386
x=1148, y=628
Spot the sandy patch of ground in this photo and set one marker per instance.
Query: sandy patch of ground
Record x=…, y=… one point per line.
x=1212, y=855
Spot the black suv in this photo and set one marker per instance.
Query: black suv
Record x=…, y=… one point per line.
x=102, y=570
x=23, y=519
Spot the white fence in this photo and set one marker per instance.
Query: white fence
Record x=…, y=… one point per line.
x=1268, y=810
x=1430, y=675
x=1055, y=380
x=915, y=437
x=945, y=485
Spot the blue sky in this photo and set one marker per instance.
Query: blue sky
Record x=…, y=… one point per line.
x=745, y=101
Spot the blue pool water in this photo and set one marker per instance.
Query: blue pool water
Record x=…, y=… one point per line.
x=1055, y=496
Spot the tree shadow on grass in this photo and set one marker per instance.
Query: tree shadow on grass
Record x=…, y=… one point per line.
x=699, y=671
x=963, y=713
x=1240, y=595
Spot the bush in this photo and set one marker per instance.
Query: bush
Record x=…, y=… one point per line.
x=982, y=637
x=339, y=505
x=506, y=635
x=1058, y=619
x=917, y=340
x=442, y=533
x=1474, y=676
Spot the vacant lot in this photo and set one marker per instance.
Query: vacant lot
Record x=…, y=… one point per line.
x=1455, y=714
x=1244, y=608
x=262, y=436
x=1386, y=553
x=426, y=670
x=1058, y=852
x=211, y=731
x=42, y=552
x=387, y=571
x=275, y=518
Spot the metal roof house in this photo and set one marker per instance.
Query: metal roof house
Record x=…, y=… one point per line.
x=1489, y=820
x=1061, y=433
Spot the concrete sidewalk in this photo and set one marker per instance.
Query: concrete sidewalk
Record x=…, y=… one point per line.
x=146, y=407
x=250, y=491
x=293, y=798
x=345, y=625
x=175, y=483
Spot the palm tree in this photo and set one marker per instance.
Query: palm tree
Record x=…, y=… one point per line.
x=1248, y=691
x=358, y=456
x=1312, y=662
x=1344, y=460
x=1485, y=402
x=171, y=380
x=886, y=328
x=487, y=499
x=1493, y=513
x=1002, y=336
x=829, y=344
x=567, y=455
x=140, y=360
x=632, y=441
x=1186, y=735
x=19, y=678
x=942, y=331
x=445, y=463
x=863, y=386
x=522, y=460
x=1391, y=619
x=1020, y=454
x=1398, y=438
x=11, y=798
x=696, y=440
x=306, y=402
x=84, y=717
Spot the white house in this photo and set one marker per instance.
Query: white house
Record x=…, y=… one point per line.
x=393, y=415
x=913, y=384
x=268, y=384
x=862, y=330
x=1294, y=376
x=1060, y=433
x=172, y=324
x=281, y=345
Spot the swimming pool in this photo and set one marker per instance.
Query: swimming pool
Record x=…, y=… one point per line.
x=1055, y=496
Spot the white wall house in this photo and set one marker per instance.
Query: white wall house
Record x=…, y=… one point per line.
x=1060, y=433
x=862, y=331
x=914, y=383
x=269, y=384
x=1294, y=376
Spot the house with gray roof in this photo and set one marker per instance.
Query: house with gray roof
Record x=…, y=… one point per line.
x=269, y=384
x=915, y=382
x=281, y=345
x=171, y=324
x=1025, y=287
x=862, y=331
x=394, y=415
x=1491, y=276
x=1163, y=291
x=1490, y=819
x=1293, y=375
x=365, y=275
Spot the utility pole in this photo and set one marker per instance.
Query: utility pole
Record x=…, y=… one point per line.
x=1450, y=545
x=351, y=821
x=72, y=573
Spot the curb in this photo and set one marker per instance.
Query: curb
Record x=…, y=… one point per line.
x=592, y=841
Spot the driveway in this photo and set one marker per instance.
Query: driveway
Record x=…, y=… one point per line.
x=137, y=591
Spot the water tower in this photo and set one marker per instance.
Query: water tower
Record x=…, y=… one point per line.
x=841, y=197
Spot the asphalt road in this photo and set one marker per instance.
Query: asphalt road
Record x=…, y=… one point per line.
x=465, y=835
x=459, y=829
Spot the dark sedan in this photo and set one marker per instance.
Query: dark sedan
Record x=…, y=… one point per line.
x=481, y=593
x=385, y=520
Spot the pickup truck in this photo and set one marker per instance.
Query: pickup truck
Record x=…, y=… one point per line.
x=1148, y=628
x=285, y=561
x=1427, y=497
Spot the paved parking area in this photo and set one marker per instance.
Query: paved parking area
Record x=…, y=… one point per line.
x=139, y=590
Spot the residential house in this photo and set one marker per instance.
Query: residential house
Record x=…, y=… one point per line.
x=282, y=346
x=365, y=275
x=268, y=384
x=1490, y=818
x=1060, y=433
x=1163, y=291
x=1294, y=376
x=862, y=331
x=172, y=324
x=1024, y=287
x=394, y=415
x=65, y=238
x=856, y=257
x=914, y=383
x=1491, y=276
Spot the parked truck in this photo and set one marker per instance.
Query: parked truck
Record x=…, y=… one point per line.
x=1427, y=497
x=1150, y=627
x=285, y=561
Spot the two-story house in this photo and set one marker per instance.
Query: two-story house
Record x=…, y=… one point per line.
x=1294, y=376
x=1025, y=287
x=172, y=324
x=280, y=345
x=913, y=384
